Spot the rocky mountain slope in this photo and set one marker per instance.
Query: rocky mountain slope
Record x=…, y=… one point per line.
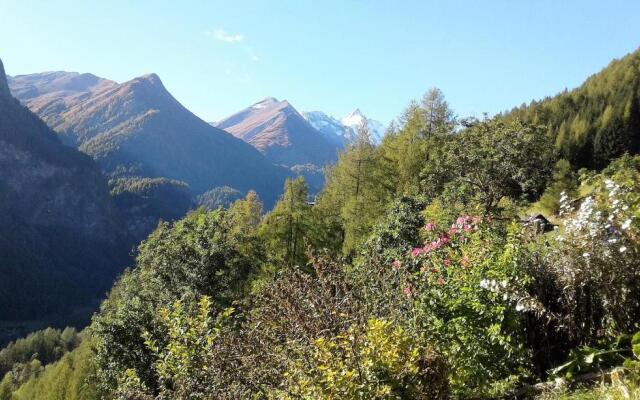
x=279, y=131
x=139, y=129
x=61, y=241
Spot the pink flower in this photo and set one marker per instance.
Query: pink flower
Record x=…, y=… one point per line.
x=444, y=239
x=447, y=262
x=396, y=265
x=430, y=226
x=408, y=290
x=467, y=228
x=453, y=230
x=441, y=281
x=416, y=252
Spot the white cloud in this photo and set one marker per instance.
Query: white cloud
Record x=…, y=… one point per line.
x=224, y=36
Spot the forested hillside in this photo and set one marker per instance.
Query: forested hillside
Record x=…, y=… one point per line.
x=418, y=273
x=61, y=236
x=596, y=122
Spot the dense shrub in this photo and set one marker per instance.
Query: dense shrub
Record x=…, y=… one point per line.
x=378, y=361
x=199, y=255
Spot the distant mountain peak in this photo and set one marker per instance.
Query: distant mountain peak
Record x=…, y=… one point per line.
x=280, y=132
x=344, y=130
x=149, y=79
x=264, y=103
x=4, y=85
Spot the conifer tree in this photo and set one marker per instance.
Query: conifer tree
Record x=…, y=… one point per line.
x=286, y=228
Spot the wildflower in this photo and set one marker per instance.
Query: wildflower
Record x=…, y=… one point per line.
x=626, y=224
x=447, y=262
x=586, y=255
x=408, y=290
x=416, y=252
x=467, y=228
x=441, y=281
x=429, y=227
x=396, y=265
x=623, y=249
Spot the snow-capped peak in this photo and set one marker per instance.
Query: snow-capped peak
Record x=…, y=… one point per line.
x=354, y=118
x=344, y=130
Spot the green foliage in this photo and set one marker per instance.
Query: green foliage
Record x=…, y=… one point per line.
x=70, y=378
x=285, y=229
x=246, y=214
x=145, y=201
x=186, y=363
x=200, y=255
x=565, y=181
x=217, y=197
x=467, y=286
x=378, y=362
x=46, y=346
x=490, y=161
x=355, y=192
x=596, y=122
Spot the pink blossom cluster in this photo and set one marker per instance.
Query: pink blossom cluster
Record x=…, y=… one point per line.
x=409, y=290
x=430, y=246
x=465, y=224
x=430, y=226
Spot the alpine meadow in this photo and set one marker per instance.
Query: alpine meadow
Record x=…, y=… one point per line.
x=170, y=230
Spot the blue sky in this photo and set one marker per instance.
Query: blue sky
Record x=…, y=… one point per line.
x=218, y=57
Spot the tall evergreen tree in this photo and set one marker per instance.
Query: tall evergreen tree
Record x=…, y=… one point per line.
x=286, y=228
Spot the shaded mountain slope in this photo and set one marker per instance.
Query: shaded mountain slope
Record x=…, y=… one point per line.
x=61, y=244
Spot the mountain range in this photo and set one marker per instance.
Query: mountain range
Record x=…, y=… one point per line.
x=138, y=129
x=279, y=131
x=345, y=130
x=89, y=166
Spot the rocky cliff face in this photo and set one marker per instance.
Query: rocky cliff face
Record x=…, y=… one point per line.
x=61, y=241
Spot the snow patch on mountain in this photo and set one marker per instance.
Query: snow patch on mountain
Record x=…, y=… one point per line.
x=345, y=130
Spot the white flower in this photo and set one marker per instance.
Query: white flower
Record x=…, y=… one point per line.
x=626, y=224
x=623, y=249
x=586, y=255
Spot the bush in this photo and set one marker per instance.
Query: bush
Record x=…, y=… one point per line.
x=378, y=361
